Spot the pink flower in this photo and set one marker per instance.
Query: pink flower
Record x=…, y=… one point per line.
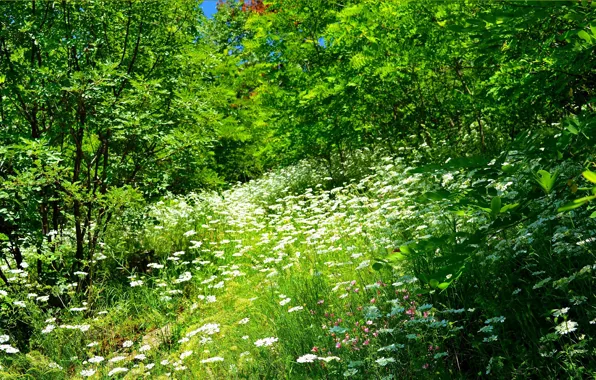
x=315, y=349
x=425, y=366
x=338, y=345
x=369, y=322
x=373, y=300
x=366, y=342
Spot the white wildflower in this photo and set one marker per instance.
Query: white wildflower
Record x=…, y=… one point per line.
x=308, y=358
x=284, y=301
x=560, y=312
x=566, y=327
x=185, y=354
x=265, y=342
x=330, y=358
x=117, y=370
x=88, y=372
x=8, y=349
x=211, y=360
x=96, y=359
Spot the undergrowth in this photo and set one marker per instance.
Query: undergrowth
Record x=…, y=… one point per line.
x=410, y=271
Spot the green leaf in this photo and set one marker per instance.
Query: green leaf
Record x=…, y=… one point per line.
x=443, y=285
x=593, y=215
x=590, y=176
x=509, y=207
x=377, y=266
x=437, y=195
x=572, y=129
x=3, y=237
x=396, y=256
x=546, y=180
x=509, y=169
x=495, y=206
x=576, y=203
x=584, y=35
x=406, y=250
x=434, y=283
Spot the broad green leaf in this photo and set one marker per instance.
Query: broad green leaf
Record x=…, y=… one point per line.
x=406, y=250
x=377, y=265
x=590, y=176
x=572, y=129
x=396, y=256
x=509, y=207
x=443, y=285
x=546, y=180
x=584, y=35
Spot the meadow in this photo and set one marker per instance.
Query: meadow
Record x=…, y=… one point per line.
x=292, y=276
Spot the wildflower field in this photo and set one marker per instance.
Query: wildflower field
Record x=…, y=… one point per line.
x=290, y=276
x=297, y=189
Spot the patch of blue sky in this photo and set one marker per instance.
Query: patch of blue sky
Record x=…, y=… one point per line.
x=209, y=7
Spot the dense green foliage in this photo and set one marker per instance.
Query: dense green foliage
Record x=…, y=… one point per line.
x=428, y=214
